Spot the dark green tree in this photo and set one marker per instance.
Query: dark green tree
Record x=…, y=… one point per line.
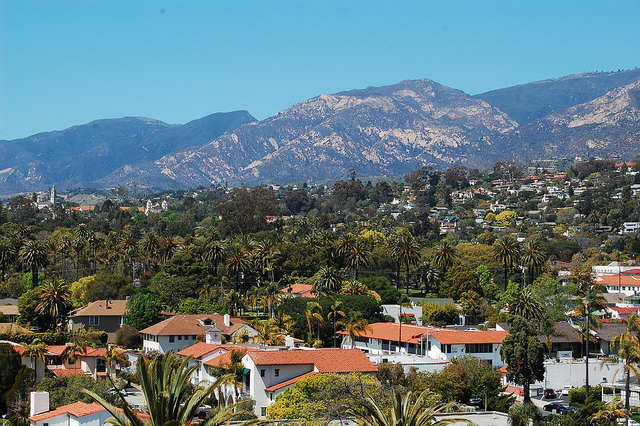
x=523, y=351
x=144, y=310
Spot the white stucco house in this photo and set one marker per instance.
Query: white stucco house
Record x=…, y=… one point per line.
x=76, y=414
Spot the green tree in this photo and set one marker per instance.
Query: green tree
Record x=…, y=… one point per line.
x=408, y=253
x=524, y=354
x=322, y=398
x=143, y=310
x=10, y=363
x=245, y=211
x=128, y=337
x=533, y=257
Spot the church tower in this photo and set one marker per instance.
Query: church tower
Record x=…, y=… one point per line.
x=52, y=197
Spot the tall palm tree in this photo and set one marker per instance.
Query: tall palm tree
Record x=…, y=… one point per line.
x=214, y=254
x=358, y=257
x=527, y=306
x=591, y=300
x=408, y=253
x=429, y=277
x=335, y=315
x=268, y=332
x=265, y=255
x=506, y=250
x=629, y=353
x=7, y=255
x=238, y=261
x=169, y=398
x=532, y=257
x=314, y=314
x=406, y=411
x=54, y=300
x=444, y=256
x=35, y=257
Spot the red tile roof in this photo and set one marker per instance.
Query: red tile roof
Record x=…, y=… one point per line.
x=77, y=409
x=413, y=333
x=190, y=324
x=331, y=360
x=289, y=382
x=304, y=290
x=625, y=311
x=199, y=350
x=63, y=372
x=615, y=280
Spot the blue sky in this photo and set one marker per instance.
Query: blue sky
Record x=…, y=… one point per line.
x=64, y=63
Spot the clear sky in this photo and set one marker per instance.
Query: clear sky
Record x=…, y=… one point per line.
x=64, y=63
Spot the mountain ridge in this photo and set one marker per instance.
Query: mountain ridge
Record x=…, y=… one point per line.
x=378, y=131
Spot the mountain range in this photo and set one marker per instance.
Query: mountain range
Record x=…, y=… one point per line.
x=378, y=131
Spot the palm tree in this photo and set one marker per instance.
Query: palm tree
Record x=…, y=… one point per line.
x=238, y=260
x=265, y=255
x=34, y=256
x=35, y=350
x=506, y=250
x=629, y=353
x=352, y=288
x=268, y=332
x=73, y=351
x=7, y=255
x=429, y=277
x=355, y=326
x=285, y=321
x=408, y=253
x=358, y=257
x=314, y=313
x=234, y=302
x=328, y=280
x=591, y=300
x=214, y=253
x=54, y=300
x=527, y=306
x=170, y=401
x=335, y=315
x=444, y=256
x=113, y=357
x=406, y=411
x=532, y=257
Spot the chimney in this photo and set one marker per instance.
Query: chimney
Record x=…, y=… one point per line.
x=227, y=320
x=39, y=403
x=289, y=342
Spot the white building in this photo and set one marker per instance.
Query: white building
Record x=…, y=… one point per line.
x=76, y=414
x=427, y=344
x=269, y=371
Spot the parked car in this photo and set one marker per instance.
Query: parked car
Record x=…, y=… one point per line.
x=566, y=389
x=476, y=402
x=549, y=394
x=631, y=422
x=554, y=406
x=569, y=410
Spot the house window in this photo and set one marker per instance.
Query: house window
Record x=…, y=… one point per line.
x=180, y=337
x=277, y=372
x=263, y=373
x=171, y=339
x=94, y=320
x=263, y=411
x=447, y=349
